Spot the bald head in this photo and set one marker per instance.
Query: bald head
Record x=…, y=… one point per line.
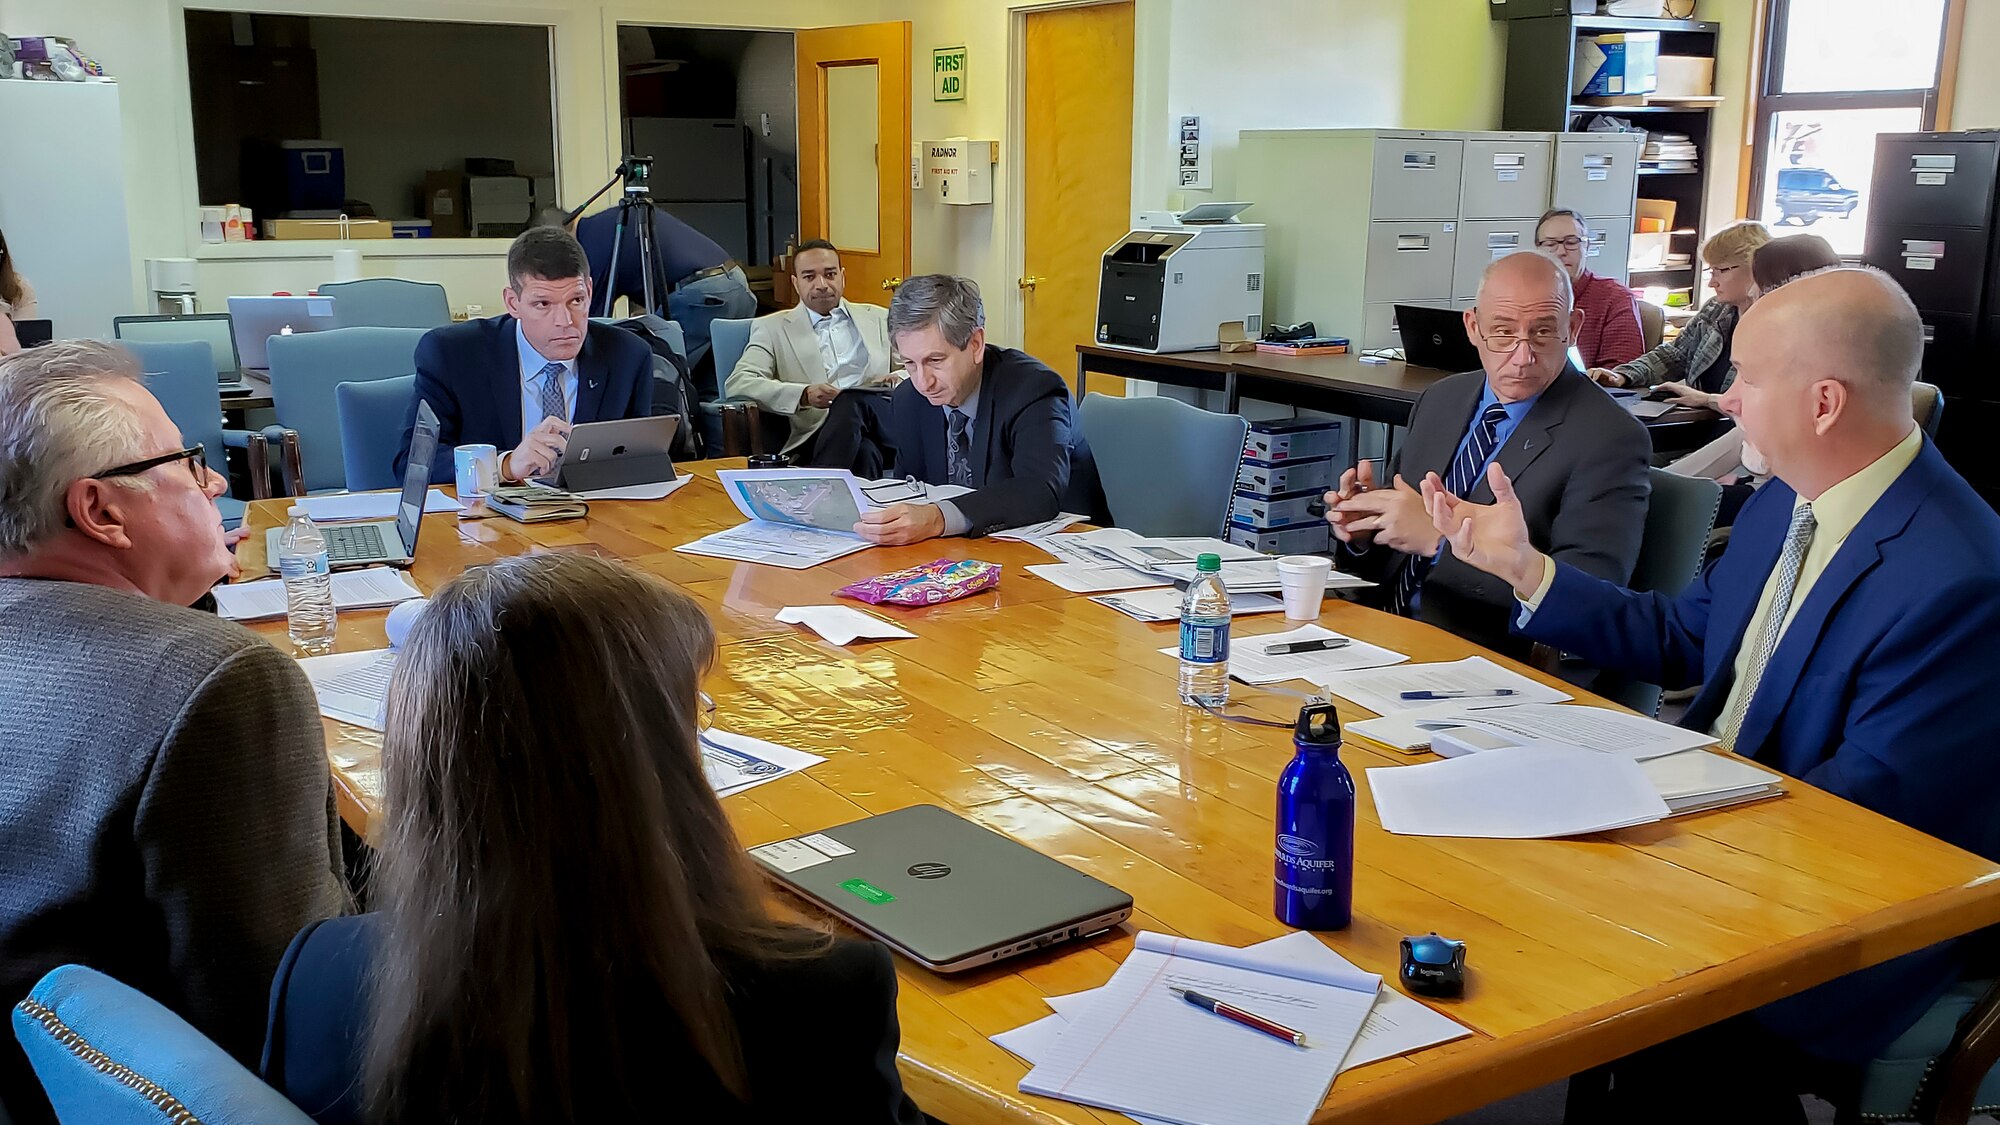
x=1528, y=275
x=1854, y=325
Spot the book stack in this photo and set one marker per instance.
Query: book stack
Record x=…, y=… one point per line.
x=533, y=503
x=1669, y=152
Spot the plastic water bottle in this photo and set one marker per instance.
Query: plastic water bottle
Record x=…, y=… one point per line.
x=1205, y=636
x=1315, y=847
x=308, y=585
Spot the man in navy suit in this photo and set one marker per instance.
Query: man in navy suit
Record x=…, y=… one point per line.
x=975, y=414
x=520, y=381
x=1850, y=636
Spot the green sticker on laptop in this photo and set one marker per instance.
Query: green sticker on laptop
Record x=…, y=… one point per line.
x=862, y=888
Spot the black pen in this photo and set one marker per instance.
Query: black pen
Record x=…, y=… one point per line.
x=1319, y=644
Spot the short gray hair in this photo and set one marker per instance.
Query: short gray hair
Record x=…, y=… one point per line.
x=58, y=424
x=951, y=303
x=1558, y=274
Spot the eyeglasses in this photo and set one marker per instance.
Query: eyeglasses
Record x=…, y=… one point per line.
x=911, y=489
x=1571, y=243
x=193, y=455
x=1538, y=339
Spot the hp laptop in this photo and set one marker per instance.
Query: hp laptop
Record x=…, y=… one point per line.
x=1436, y=338
x=34, y=333
x=260, y=318
x=617, y=454
x=212, y=329
x=383, y=541
x=943, y=891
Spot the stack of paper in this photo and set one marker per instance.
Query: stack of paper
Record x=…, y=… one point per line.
x=1249, y=662
x=1474, y=681
x=1109, y=551
x=353, y=687
x=1085, y=578
x=1695, y=780
x=1139, y=1048
x=1396, y=1025
x=1535, y=791
x=1597, y=728
x=798, y=518
x=369, y=588
x=1035, y=531
x=735, y=762
x=1164, y=604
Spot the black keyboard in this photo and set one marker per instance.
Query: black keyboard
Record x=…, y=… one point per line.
x=353, y=544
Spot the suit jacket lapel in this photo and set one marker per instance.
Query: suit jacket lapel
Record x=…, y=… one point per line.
x=804, y=343
x=1532, y=437
x=981, y=452
x=1856, y=557
x=591, y=377
x=506, y=374
x=1430, y=450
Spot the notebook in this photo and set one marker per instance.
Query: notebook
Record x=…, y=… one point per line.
x=1140, y=1049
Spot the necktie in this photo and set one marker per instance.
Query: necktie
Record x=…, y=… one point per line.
x=957, y=464
x=1797, y=540
x=828, y=354
x=1464, y=474
x=553, y=403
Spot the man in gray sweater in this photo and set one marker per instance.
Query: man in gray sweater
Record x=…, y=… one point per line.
x=166, y=815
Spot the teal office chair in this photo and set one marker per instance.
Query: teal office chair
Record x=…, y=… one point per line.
x=371, y=429
x=181, y=374
x=305, y=369
x=1940, y=1072
x=110, y=1055
x=387, y=302
x=1168, y=468
x=737, y=427
x=1679, y=516
x=1927, y=405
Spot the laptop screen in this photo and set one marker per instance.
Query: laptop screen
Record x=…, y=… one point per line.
x=212, y=329
x=417, y=478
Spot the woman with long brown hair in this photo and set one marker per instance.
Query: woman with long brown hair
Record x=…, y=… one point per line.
x=568, y=929
x=17, y=300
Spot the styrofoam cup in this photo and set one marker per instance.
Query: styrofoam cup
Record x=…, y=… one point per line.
x=1303, y=580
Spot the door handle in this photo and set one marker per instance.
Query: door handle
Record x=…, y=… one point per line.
x=1030, y=281
x=892, y=283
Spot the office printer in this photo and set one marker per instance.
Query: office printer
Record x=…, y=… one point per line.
x=1168, y=285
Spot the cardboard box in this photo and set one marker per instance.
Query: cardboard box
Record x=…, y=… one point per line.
x=1653, y=216
x=1266, y=512
x=1302, y=539
x=1275, y=442
x=444, y=203
x=298, y=229
x=1686, y=76
x=1616, y=65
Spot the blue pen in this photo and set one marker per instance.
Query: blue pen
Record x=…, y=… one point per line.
x=1495, y=693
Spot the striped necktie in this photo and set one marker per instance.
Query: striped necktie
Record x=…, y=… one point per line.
x=1465, y=470
x=957, y=465
x=1797, y=539
x=554, y=404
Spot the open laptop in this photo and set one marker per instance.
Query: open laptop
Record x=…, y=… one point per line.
x=258, y=319
x=375, y=542
x=1434, y=337
x=34, y=333
x=617, y=454
x=941, y=890
x=212, y=329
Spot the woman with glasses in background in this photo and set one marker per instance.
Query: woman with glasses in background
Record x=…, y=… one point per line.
x=567, y=926
x=1610, y=334
x=1697, y=360
x=17, y=300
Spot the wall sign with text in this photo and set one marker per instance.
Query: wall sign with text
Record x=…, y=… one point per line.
x=948, y=74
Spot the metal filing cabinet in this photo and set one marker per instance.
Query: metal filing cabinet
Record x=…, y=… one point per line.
x=1361, y=220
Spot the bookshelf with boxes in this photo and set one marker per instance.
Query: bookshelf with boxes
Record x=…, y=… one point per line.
x=1655, y=76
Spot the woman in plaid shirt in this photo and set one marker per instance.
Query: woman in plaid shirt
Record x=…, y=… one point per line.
x=1696, y=362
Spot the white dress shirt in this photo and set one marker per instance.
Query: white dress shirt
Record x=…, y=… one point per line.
x=840, y=347
x=532, y=363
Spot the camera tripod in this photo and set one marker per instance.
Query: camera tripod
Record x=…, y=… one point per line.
x=635, y=209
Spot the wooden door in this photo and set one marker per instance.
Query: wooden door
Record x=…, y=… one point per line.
x=1077, y=170
x=854, y=150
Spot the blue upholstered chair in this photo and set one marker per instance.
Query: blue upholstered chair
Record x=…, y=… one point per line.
x=1168, y=468
x=1680, y=514
x=735, y=427
x=305, y=369
x=181, y=374
x=110, y=1055
x=371, y=429
x=387, y=302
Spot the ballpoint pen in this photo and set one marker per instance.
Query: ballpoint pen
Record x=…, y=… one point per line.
x=1317, y=644
x=1490, y=693
x=1251, y=1020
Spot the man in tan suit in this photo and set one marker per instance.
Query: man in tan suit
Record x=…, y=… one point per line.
x=827, y=365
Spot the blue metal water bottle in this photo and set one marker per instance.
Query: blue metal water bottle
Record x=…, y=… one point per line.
x=1315, y=845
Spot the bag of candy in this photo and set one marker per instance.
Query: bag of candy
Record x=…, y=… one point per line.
x=929, y=584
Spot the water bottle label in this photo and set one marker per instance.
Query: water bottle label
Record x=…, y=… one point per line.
x=1312, y=871
x=1204, y=644
x=304, y=566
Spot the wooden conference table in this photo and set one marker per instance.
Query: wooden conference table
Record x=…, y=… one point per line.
x=1046, y=717
x=1333, y=384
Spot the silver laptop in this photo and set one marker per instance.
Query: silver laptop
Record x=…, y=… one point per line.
x=943, y=891
x=257, y=319
x=376, y=542
x=617, y=454
x=213, y=329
